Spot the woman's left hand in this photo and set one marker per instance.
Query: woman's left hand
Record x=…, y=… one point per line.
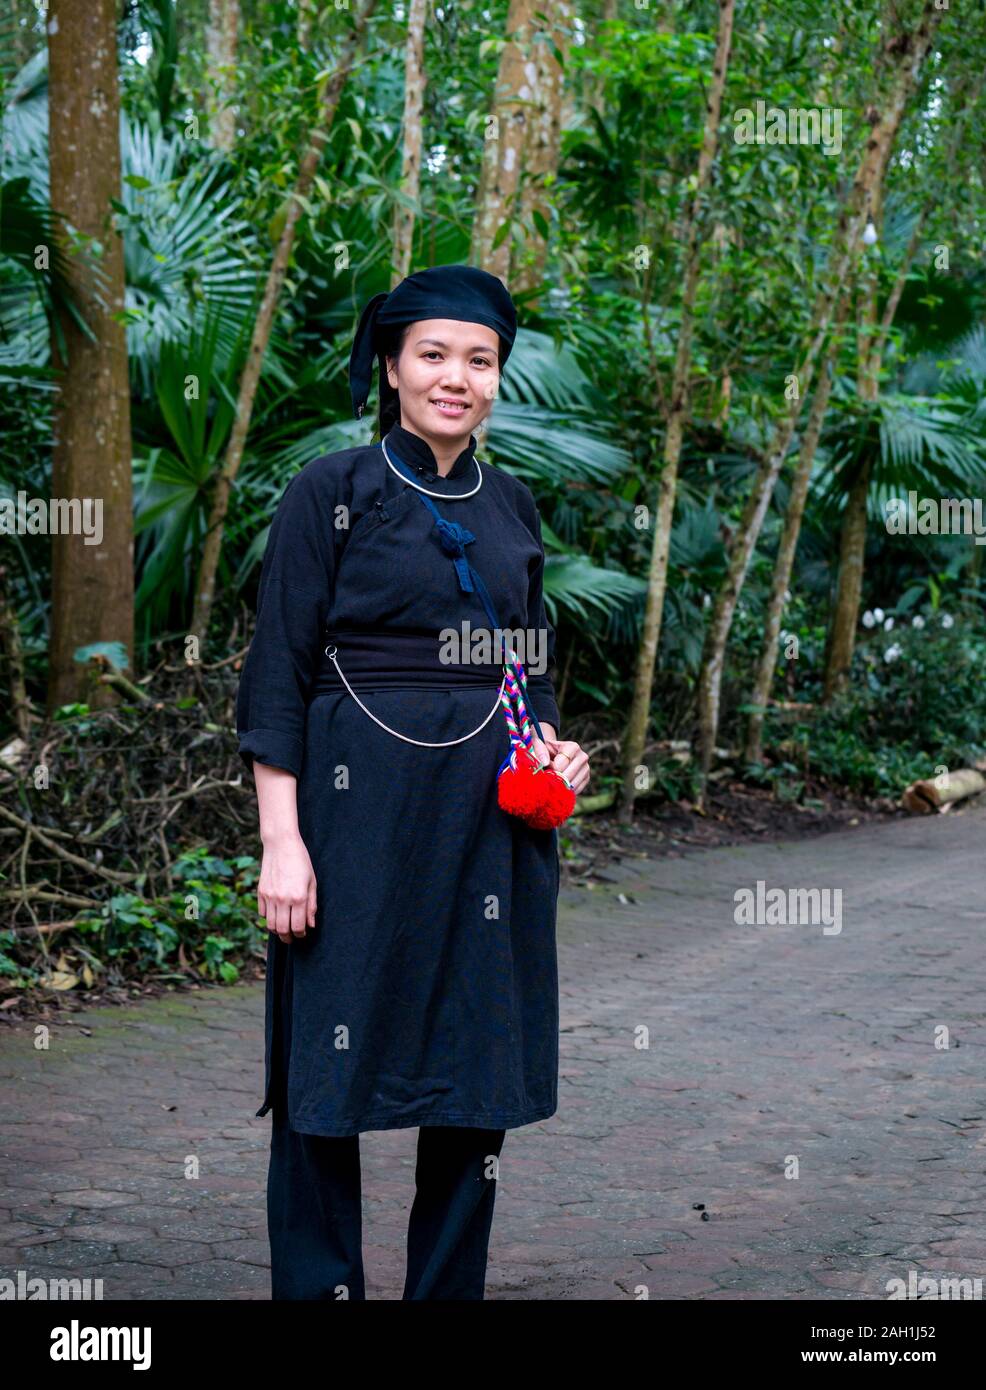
x=570, y=761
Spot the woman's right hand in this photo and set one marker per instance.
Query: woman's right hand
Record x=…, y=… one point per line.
x=286, y=891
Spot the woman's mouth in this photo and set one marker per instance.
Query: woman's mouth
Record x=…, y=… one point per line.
x=450, y=407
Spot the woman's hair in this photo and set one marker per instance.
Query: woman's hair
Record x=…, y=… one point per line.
x=392, y=340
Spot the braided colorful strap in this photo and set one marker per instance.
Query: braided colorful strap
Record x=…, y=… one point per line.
x=514, y=689
x=526, y=787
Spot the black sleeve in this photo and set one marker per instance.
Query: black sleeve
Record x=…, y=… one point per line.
x=293, y=601
x=542, y=688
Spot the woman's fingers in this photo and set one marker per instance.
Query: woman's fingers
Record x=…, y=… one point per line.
x=581, y=782
x=287, y=893
x=282, y=920
x=571, y=762
x=299, y=916
x=269, y=911
x=541, y=750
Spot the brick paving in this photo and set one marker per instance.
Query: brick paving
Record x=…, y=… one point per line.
x=131, y=1152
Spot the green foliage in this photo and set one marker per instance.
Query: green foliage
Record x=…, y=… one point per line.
x=916, y=702
x=211, y=918
x=206, y=928
x=585, y=398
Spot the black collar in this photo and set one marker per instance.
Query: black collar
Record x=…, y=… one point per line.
x=417, y=453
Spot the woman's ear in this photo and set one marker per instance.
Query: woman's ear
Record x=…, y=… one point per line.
x=392, y=371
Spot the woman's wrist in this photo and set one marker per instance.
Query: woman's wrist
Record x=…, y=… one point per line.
x=279, y=836
x=277, y=804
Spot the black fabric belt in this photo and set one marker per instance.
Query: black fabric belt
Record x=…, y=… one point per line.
x=379, y=658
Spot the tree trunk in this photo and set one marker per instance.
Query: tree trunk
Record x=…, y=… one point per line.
x=657, y=579
x=543, y=146
x=873, y=337
x=92, y=585
x=905, y=53
x=505, y=138
x=784, y=566
x=205, y=586
x=221, y=37
x=410, y=185
x=307, y=14
x=10, y=642
x=852, y=546
x=852, y=542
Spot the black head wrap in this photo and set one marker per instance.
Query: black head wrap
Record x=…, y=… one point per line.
x=444, y=292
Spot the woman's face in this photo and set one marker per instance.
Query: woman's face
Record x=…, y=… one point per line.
x=447, y=376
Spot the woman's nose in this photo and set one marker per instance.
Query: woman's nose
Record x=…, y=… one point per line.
x=454, y=375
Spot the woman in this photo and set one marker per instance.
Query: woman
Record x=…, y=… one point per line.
x=412, y=975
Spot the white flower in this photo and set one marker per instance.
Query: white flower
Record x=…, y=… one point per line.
x=947, y=620
x=878, y=614
x=868, y=619
x=888, y=625
x=892, y=652
x=917, y=621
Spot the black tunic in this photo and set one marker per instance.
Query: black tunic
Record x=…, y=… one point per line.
x=428, y=991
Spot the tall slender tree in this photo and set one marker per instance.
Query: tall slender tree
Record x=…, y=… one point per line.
x=872, y=341
x=505, y=136
x=222, y=37
x=205, y=586
x=784, y=564
x=552, y=38
x=900, y=59
x=677, y=419
x=92, y=585
x=410, y=185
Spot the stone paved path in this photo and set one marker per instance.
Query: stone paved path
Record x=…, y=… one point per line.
x=767, y=1045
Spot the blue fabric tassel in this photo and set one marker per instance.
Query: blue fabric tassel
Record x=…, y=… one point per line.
x=454, y=539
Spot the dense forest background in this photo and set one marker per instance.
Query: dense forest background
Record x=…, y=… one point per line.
x=746, y=242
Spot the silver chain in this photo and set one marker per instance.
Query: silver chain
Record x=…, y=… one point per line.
x=331, y=654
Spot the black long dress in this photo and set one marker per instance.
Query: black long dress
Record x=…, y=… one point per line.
x=427, y=993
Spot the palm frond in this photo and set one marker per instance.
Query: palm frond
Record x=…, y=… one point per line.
x=551, y=446
x=574, y=585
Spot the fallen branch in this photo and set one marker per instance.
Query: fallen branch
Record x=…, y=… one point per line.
x=119, y=682
x=114, y=875
x=933, y=795
x=195, y=790
x=44, y=896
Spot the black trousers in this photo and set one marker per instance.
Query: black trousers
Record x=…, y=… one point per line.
x=315, y=1220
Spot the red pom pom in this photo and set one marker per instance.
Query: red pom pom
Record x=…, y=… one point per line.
x=540, y=798
x=518, y=790
x=559, y=803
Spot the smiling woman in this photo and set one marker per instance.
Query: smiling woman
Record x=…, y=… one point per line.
x=446, y=381
x=412, y=973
